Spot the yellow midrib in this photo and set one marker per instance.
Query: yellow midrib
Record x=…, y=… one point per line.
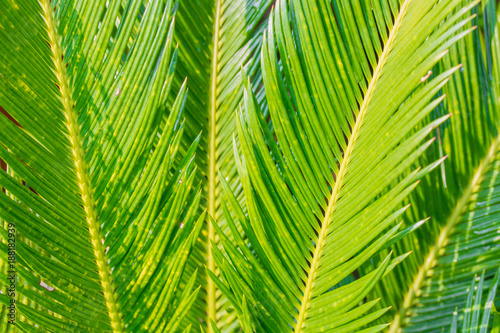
x=444, y=234
x=212, y=159
x=301, y=317
x=79, y=159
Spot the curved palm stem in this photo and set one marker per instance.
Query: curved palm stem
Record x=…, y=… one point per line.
x=338, y=184
x=228, y=35
x=82, y=171
x=444, y=234
x=212, y=158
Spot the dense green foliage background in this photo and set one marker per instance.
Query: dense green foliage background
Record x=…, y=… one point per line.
x=249, y=165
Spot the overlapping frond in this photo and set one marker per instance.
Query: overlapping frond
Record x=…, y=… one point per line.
x=455, y=244
x=344, y=89
x=476, y=315
x=472, y=245
x=216, y=38
x=103, y=223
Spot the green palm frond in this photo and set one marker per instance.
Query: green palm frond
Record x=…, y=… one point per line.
x=338, y=80
x=467, y=246
x=215, y=39
x=476, y=315
x=104, y=224
x=461, y=238
x=250, y=165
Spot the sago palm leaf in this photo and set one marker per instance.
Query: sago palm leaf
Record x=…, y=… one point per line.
x=101, y=222
x=470, y=246
x=215, y=39
x=461, y=239
x=344, y=89
x=476, y=315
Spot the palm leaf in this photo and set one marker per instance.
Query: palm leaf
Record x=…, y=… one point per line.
x=476, y=316
x=103, y=223
x=456, y=244
x=215, y=39
x=339, y=81
x=468, y=245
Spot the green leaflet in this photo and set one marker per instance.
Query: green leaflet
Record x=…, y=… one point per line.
x=496, y=320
